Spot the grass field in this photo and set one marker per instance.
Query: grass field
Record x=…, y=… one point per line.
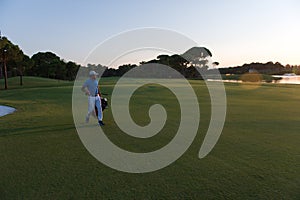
x=256, y=157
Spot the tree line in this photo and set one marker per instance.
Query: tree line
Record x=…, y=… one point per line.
x=269, y=68
x=43, y=64
x=49, y=65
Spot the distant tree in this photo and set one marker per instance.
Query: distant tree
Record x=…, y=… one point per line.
x=59, y=70
x=262, y=68
x=178, y=63
x=49, y=65
x=215, y=63
x=197, y=56
x=175, y=61
x=71, y=70
x=142, y=62
x=125, y=68
x=185, y=63
x=11, y=57
x=110, y=72
x=164, y=59
x=22, y=66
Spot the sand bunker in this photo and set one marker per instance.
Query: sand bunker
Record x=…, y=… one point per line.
x=5, y=110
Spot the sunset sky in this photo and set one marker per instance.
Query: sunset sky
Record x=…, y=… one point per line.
x=236, y=32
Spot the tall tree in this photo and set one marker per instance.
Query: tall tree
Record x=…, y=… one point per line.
x=11, y=57
x=71, y=70
x=46, y=64
x=25, y=64
x=197, y=56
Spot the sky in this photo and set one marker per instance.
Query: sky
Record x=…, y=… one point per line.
x=236, y=31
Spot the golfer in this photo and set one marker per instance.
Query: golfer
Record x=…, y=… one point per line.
x=90, y=88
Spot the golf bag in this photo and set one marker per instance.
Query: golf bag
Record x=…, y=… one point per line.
x=104, y=104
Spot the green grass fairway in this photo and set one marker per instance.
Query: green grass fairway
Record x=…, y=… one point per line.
x=256, y=157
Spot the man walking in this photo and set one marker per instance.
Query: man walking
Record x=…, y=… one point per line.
x=90, y=88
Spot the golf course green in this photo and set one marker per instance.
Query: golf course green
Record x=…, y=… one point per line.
x=256, y=157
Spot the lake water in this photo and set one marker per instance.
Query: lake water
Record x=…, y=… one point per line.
x=5, y=110
x=288, y=79
x=283, y=80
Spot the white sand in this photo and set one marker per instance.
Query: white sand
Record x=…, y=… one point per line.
x=5, y=110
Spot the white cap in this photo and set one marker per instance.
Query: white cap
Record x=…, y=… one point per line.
x=92, y=73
